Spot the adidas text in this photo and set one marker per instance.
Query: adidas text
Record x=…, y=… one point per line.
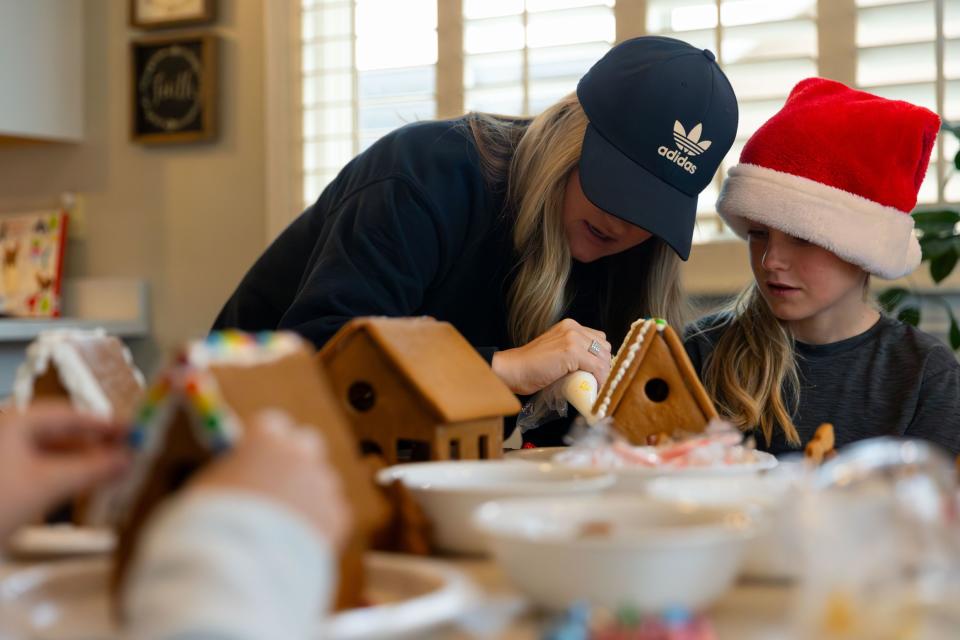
x=674, y=156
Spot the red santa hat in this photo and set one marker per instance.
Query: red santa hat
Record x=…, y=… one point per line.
x=839, y=168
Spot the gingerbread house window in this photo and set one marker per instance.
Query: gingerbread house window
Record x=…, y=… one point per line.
x=657, y=389
x=483, y=447
x=361, y=396
x=411, y=451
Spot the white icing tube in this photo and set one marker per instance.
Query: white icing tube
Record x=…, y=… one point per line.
x=580, y=389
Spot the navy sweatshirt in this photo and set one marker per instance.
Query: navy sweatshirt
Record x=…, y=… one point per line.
x=409, y=227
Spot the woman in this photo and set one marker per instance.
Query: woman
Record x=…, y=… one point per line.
x=535, y=239
x=822, y=209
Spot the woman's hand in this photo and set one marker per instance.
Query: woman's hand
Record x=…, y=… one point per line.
x=50, y=453
x=287, y=464
x=562, y=349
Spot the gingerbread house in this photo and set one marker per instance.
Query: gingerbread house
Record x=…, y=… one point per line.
x=198, y=407
x=415, y=389
x=95, y=373
x=90, y=369
x=653, y=387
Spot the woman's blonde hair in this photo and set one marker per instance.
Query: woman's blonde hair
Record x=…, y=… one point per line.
x=531, y=160
x=751, y=374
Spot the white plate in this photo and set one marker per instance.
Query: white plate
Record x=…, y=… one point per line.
x=637, y=477
x=537, y=454
x=69, y=601
x=60, y=540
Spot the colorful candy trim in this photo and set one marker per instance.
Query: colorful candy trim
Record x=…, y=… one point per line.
x=238, y=347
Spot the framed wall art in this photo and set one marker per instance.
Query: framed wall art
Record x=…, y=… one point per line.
x=33, y=248
x=173, y=89
x=163, y=14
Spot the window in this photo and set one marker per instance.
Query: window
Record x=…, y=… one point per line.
x=763, y=47
x=911, y=51
x=368, y=67
x=520, y=56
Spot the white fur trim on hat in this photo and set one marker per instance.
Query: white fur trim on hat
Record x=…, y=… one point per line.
x=878, y=238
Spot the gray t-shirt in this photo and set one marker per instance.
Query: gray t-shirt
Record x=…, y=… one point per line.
x=893, y=379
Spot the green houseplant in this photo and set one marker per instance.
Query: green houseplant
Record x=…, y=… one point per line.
x=939, y=234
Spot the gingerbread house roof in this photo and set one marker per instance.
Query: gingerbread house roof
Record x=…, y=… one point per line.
x=439, y=364
x=222, y=382
x=93, y=370
x=629, y=360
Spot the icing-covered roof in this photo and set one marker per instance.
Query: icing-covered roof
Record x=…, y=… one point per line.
x=94, y=369
x=622, y=368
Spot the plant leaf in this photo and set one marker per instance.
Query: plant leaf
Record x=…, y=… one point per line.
x=938, y=217
x=954, y=333
x=942, y=265
x=892, y=298
x=934, y=248
x=909, y=315
x=956, y=161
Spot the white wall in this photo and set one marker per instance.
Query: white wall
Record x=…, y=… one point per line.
x=41, y=69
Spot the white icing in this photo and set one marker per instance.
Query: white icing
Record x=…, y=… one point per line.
x=137, y=374
x=58, y=348
x=621, y=364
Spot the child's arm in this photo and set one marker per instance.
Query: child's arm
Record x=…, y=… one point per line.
x=231, y=566
x=938, y=410
x=249, y=550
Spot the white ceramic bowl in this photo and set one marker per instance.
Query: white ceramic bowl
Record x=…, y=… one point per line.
x=636, y=477
x=449, y=492
x=615, y=550
x=775, y=553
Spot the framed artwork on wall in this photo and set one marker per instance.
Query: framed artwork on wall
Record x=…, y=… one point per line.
x=163, y=14
x=173, y=89
x=32, y=271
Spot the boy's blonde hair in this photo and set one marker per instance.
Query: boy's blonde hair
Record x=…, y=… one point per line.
x=751, y=374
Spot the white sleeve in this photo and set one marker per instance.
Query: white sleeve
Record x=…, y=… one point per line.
x=231, y=566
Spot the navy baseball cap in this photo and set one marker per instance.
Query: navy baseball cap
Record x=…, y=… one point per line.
x=662, y=117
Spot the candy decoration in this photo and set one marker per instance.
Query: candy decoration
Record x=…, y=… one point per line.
x=190, y=379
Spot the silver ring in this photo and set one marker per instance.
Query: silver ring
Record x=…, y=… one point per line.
x=594, y=347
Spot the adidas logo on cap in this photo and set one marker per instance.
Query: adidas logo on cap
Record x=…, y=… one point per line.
x=689, y=143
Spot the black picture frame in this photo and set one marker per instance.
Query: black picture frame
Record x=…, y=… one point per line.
x=173, y=89
x=208, y=14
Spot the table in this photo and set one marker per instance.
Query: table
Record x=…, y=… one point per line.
x=752, y=610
